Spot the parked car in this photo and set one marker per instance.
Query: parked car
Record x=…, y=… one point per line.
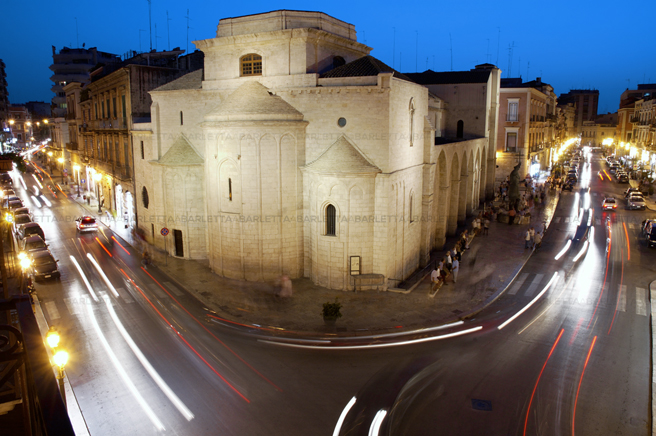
x=19, y=220
x=86, y=224
x=15, y=204
x=622, y=178
x=649, y=232
x=33, y=243
x=8, y=193
x=636, y=202
x=629, y=191
x=30, y=229
x=5, y=179
x=609, y=203
x=572, y=178
x=44, y=265
x=568, y=186
x=8, y=198
x=23, y=211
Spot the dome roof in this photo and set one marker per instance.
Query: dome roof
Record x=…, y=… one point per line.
x=252, y=101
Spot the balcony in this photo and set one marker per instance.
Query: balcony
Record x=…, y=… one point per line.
x=109, y=124
x=72, y=146
x=512, y=118
x=634, y=119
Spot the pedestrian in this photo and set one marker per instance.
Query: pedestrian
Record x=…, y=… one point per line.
x=532, y=233
x=454, y=270
x=527, y=239
x=435, y=279
x=538, y=240
x=448, y=260
x=511, y=216
x=486, y=226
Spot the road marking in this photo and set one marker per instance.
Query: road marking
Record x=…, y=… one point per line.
x=641, y=301
x=621, y=306
x=534, y=285
x=518, y=283
x=173, y=289
x=125, y=295
x=157, y=290
x=51, y=308
x=632, y=226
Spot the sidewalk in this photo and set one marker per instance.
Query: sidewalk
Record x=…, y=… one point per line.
x=483, y=276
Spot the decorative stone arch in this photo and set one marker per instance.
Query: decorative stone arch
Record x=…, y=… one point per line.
x=440, y=201
x=454, y=196
x=325, y=209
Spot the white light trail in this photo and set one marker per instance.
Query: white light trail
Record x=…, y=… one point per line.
x=36, y=190
x=537, y=297
x=374, y=430
x=146, y=364
x=36, y=202
x=392, y=344
x=22, y=181
x=45, y=200
x=124, y=375
x=102, y=274
x=342, y=417
x=37, y=181
x=84, y=277
x=564, y=250
x=580, y=253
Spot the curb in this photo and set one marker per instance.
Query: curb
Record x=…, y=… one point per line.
x=652, y=387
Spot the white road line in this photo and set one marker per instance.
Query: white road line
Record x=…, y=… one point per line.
x=518, y=283
x=51, y=308
x=622, y=303
x=125, y=295
x=157, y=290
x=534, y=285
x=641, y=301
x=173, y=289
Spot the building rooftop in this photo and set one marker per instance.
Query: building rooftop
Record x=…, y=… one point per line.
x=342, y=157
x=193, y=80
x=365, y=66
x=430, y=77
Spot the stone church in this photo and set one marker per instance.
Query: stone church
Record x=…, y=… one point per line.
x=296, y=152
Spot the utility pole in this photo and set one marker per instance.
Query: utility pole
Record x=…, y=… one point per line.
x=150, y=24
x=168, y=30
x=187, y=17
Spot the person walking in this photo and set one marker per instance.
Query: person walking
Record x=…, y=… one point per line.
x=435, y=278
x=527, y=239
x=486, y=226
x=538, y=240
x=532, y=233
x=455, y=267
x=511, y=216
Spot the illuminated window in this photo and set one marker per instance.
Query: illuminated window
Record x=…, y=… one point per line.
x=251, y=65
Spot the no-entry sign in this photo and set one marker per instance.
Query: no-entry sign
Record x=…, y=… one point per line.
x=164, y=231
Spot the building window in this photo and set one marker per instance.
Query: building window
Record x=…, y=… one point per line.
x=511, y=142
x=230, y=189
x=114, y=103
x=142, y=150
x=341, y=122
x=108, y=109
x=103, y=109
x=144, y=197
x=460, y=128
x=123, y=106
x=331, y=220
x=513, y=110
x=412, y=120
x=412, y=196
x=181, y=118
x=251, y=65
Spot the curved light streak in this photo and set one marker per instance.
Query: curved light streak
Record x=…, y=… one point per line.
x=37, y=181
x=374, y=430
x=146, y=364
x=45, y=200
x=123, y=374
x=102, y=274
x=84, y=277
x=362, y=347
x=580, y=381
x=36, y=202
x=22, y=182
x=342, y=416
x=525, y=308
x=564, y=250
x=582, y=252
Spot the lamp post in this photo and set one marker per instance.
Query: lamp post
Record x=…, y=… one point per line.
x=76, y=168
x=25, y=263
x=97, y=178
x=60, y=359
x=61, y=170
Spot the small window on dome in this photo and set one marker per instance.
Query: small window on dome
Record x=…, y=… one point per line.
x=251, y=65
x=341, y=122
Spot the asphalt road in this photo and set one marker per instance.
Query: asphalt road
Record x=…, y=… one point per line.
x=146, y=360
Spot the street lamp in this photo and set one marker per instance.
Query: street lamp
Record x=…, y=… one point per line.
x=97, y=178
x=24, y=262
x=60, y=358
x=61, y=170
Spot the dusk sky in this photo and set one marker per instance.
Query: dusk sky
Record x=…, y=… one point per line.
x=569, y=44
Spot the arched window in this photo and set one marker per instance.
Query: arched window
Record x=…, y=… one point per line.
x=181, y=118
x=338, y=61
x=331, y=220
x=144, y=197
x=412, y=197
x=412, y=120
x=460, y=129
x=251, y=65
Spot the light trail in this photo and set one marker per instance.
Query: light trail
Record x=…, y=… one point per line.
x=45, y=200
x=525, y=308
x=84, y=277
x=37, y=181
x=103, y=247
x=342, y=416
x=183, y=339
x=582, y=252
x=123, y=374
x=564, y=250
x=619, y=294
x=576, y=400
x=610, y=242
x=182, y=408
x=119, y=244
x=36, y=202
x=535, y=388
x=102, y=274
x=374, y=430
x=628, y=243
x=363, y=347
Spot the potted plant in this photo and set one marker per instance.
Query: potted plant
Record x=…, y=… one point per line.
x=331, y=311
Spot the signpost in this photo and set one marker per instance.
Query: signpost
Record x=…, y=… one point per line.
x=164, y=232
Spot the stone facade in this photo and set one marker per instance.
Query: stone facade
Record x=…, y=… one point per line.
x=294, y=151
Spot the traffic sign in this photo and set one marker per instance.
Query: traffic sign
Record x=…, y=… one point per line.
x=83, y=181
x=164, y=231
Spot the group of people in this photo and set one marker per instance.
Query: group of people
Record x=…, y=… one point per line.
x=532, y=238
x=450, y=263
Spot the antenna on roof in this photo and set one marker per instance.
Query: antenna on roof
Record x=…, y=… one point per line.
x=519, y=68
x=528, y=67
x=150, y=24
x=451, y=45
x=187, y=17
x=140, y=30
x=364, y=37
x=168, y=30
x=498, y=45
x=394, y=47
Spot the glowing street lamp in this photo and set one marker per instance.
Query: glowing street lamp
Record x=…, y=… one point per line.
x=52, y=338
x=60, y=358
x=76, y=168
x=97, y=178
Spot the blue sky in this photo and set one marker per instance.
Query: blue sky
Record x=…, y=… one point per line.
x=575, y=44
